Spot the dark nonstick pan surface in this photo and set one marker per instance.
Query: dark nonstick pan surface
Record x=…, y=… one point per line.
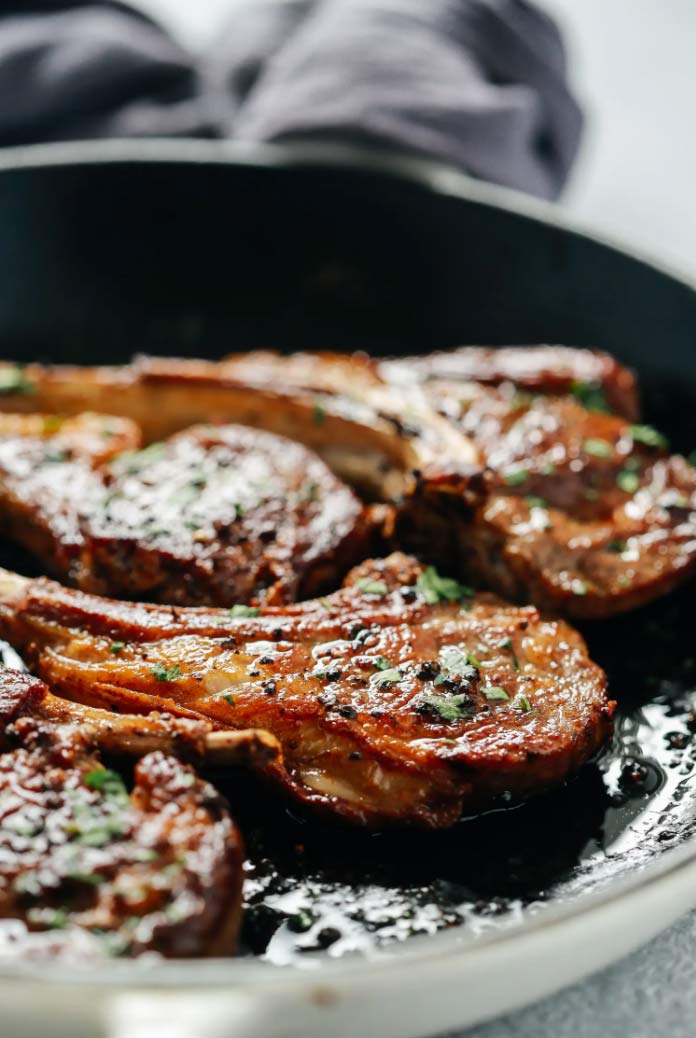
x=200, y=249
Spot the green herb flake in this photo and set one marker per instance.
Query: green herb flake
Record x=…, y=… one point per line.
x=108, y=782
x=48, y=918
x=536, y=502
x=590, y=395
x=372, y=587
x=92, y=879
x=243, y=610
x=380, y=663
x=54, y=455
x=309, y=491
x=448, y=708
x=648, y=436
x=318, y=414
x=117, y=647
x=617, y=547
x=162, y=673
x=507, y=644
x=456, y=661
x=517, y=476
x=433, y=588
x=133, y=461
x=229, y=698
x=495, y=692
x=13, y=379
x=628, y=481
x=521, y=702
x=386, y=677
x=598, y=448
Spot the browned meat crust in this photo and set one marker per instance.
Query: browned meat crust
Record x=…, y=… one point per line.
x=527, y=486
x=159, y=869
x=552, y=370
x=400, y=699
x=215, y=515
x=584, y=513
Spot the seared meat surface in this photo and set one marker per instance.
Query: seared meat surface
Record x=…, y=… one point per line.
x=216, y=514
x=404, y=697
x=581, y=511
x=158, y=868
x=504, y=464
x=584, y=513
x=588, y=375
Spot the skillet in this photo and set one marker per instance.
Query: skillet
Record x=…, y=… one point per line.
x=199, y=248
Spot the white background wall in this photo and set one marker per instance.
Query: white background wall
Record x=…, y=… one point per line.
x=634, y=66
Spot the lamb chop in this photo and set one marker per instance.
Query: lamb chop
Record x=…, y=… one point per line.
x=215, y=515
x=105, y=870
x=402, y=698
x=504, y=462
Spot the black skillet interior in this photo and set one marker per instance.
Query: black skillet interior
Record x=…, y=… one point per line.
x=102, y=259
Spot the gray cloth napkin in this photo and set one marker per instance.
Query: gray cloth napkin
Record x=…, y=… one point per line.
x=650, y=994
x=480, y=84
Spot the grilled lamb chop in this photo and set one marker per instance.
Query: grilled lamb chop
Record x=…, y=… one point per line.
x=159, y=869
x=590, y=376
x=529, y=491
x=215, y=515
x=402, y=698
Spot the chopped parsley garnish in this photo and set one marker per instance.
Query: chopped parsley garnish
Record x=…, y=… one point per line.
x=433, y=588
x=318, y=414
x=309, y=491
x=386, y=677
x=48, y=918
x=14, y=380
x=648, y=436
x=117, y=647
x=495, y=692
x=521, y=702
x=229, y=698
x=447, y=708
x=598, y=448
x=453, y=659
x=590, y=395
x=372, y=587
x=617, y=546
x=134, y=461
x=92, y=879
x=536, y=502
x=162, y=673
x=507, y=644
x=109, y=782
x=517, y=476
x=243, y=610
x=55, y=455
x=628, y=481
x=380, y=663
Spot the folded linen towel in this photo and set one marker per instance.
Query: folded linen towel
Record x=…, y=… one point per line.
x=480, y=84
